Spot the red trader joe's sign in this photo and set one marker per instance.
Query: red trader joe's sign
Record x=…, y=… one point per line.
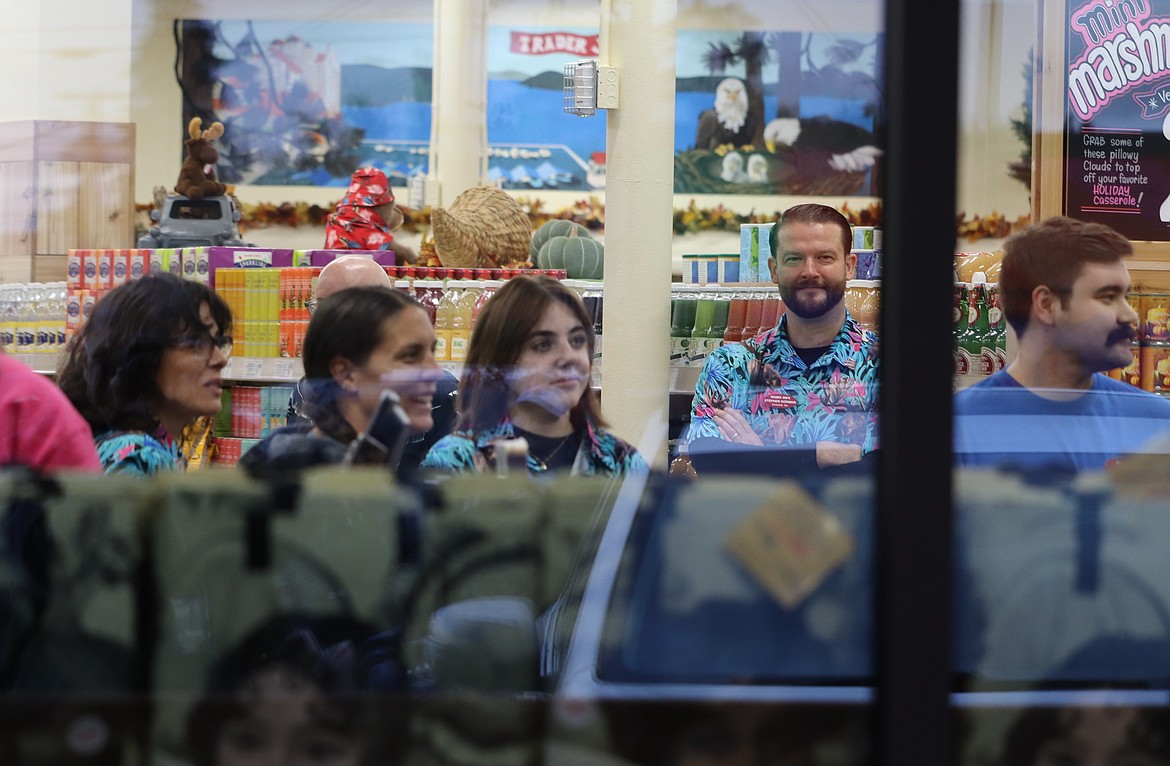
x=538, y=43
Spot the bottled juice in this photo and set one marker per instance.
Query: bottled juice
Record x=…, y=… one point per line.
x=980, y=349
x=592, y=297
x=719, y=318
x=961, y=326
x=444, y=320
x=489, y=289
x=998, y=325
x=773, y=308
x=704, y=317
x=464, y=308
x=736, y=317
x=754, y=316
x=682, y=322
x=428, y=292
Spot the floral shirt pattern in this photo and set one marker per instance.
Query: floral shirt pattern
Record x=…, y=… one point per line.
x=601, y=453
x=786, y=401
x=135, y=453
x=354, y=227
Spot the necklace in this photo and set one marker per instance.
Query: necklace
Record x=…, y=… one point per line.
x=542, y=463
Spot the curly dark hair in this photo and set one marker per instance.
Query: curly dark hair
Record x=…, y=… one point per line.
x=112, y=363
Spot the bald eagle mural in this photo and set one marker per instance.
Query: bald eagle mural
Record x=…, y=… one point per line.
x=730, y=121
x=825, y=144
x=777, y=113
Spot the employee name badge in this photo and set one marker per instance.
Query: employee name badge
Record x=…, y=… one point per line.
x=778, y=400
x=790, y=544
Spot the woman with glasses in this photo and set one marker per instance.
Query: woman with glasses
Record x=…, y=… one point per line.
x=361, y=341
x=527, y=375
x=147, y=362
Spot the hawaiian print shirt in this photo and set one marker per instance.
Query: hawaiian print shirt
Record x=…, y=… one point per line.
x=788, y=402
x=601, y=453
x=135, y=453
x=353, y=227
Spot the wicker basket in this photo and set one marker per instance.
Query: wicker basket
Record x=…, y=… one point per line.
x=483, y=228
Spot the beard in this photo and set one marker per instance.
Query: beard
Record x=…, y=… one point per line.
x=807, y=306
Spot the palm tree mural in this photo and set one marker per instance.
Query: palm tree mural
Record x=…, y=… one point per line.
x=787, y=48
x=741, y=148
x=752, y=50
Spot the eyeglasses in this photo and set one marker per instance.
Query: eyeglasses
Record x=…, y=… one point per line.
x=311, y=305
x=201, y=343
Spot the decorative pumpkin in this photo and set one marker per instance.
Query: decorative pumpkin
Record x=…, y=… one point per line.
x=580, y=257
x=558, y=227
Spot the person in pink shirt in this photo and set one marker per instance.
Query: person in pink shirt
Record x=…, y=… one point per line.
x=38, y=426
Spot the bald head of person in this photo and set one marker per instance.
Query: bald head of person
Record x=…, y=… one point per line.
x=350, y=271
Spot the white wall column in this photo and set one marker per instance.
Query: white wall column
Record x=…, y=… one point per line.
x=459, y=100
x=66, y=61
x=638, y=37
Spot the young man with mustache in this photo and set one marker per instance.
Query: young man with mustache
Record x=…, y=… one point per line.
x=1063, y=286
x=811, y=381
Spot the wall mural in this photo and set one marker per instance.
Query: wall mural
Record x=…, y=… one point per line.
x=776, y=112
x=306, y=103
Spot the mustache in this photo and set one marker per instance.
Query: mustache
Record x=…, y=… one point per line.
x=1126, y=334
x=810, y=282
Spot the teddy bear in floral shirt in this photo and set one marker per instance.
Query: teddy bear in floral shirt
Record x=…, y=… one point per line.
x=366, y=217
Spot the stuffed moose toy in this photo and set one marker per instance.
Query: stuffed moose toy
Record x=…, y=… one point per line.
x=197, y=176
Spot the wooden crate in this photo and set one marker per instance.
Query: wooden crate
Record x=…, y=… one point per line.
x=64, y=185
x=16, y=268
x=49, y=268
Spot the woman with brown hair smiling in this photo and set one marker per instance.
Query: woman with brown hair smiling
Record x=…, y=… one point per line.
x=527, y=375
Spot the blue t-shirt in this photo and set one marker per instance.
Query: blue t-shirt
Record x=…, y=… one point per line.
x=1000, y=423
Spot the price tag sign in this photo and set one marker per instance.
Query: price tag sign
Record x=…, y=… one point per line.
x=253, y=368
x=284, y=368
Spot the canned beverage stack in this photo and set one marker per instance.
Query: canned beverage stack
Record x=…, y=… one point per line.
x=1132, y=372
x=861, y=298
x=1154, y=351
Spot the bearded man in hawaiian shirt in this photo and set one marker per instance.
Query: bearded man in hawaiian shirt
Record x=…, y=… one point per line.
x=812, y=379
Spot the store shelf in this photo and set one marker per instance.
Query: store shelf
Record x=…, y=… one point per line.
x=254, y=369
x=683, y=379
x=46, y=364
